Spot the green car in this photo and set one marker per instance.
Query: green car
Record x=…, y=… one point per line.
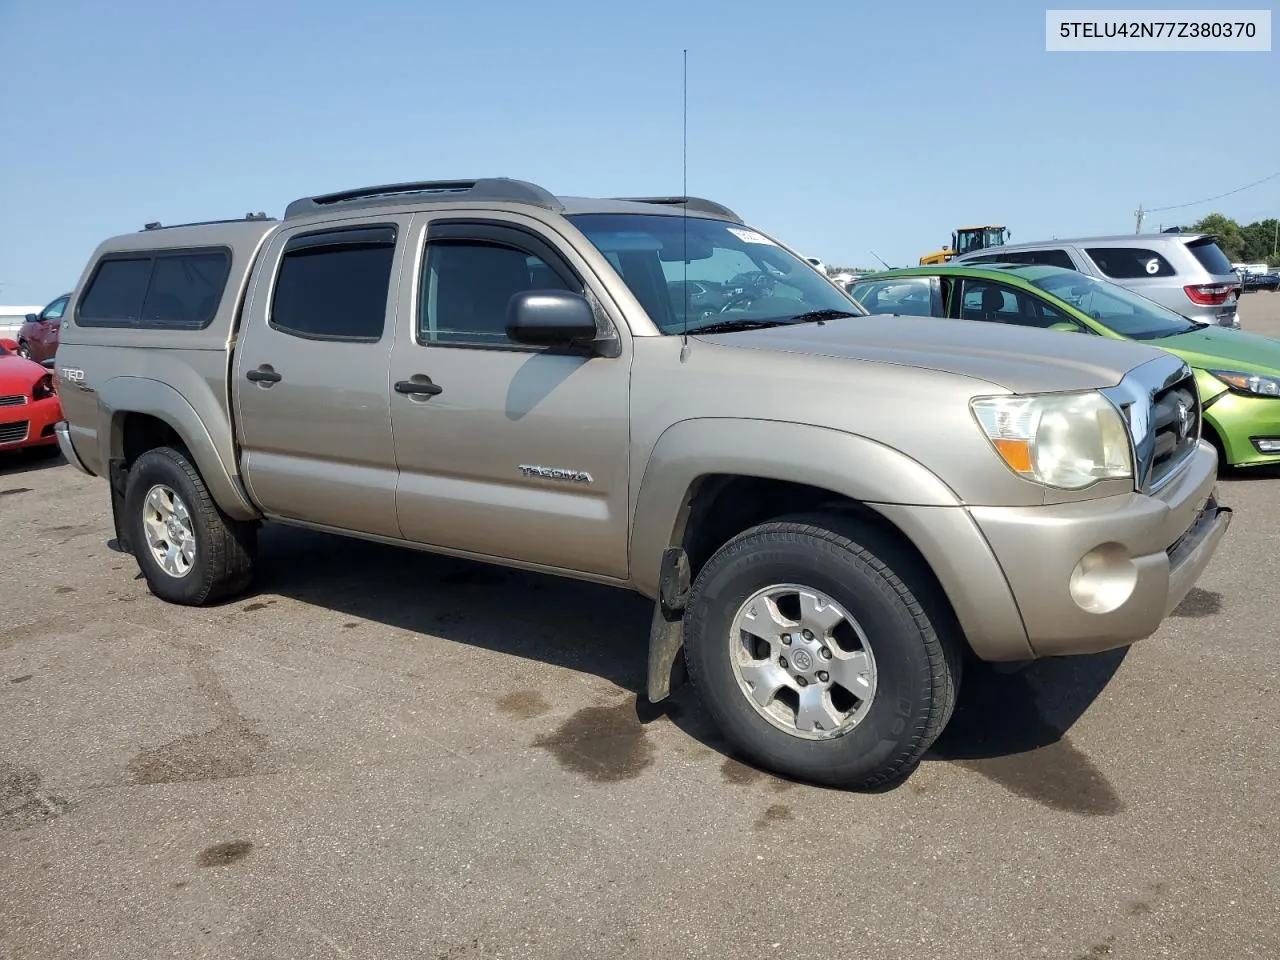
x=1238, y=373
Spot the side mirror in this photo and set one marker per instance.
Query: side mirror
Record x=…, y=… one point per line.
x=550, y=318
x=32, y=317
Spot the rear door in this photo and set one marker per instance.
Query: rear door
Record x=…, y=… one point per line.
x=514, y=452
x=310, y=382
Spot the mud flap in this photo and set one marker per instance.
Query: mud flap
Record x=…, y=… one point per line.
x=666, y=632
x=118, y=477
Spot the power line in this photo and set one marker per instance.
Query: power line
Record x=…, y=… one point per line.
x=1179, y=206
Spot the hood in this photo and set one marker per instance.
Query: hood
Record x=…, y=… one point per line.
x=1220, y=348
x=18, y=374
x=1019, y=359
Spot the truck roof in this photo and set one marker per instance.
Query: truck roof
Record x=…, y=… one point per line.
x=253, y=227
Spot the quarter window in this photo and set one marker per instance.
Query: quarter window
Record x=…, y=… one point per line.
x=467, y=285
x=177, y=290
x=334, y=285
x=1129, y=263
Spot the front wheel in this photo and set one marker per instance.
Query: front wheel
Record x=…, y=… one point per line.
x=819, y=658
x=190, y=552
x=24, y=350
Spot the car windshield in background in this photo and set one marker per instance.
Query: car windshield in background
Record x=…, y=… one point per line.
x=704, y=273
x=1116, y=307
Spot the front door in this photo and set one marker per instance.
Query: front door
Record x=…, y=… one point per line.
x=310, y=380
x=512, y=452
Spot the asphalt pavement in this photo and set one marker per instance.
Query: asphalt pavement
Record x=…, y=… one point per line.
x=384, y=754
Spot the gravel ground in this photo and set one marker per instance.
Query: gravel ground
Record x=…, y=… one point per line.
x=387, y=754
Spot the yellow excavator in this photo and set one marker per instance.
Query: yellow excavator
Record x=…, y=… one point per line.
x=964, y=239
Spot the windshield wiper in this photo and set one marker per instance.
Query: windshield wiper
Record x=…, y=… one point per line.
x=733, y=326
x=819, y=315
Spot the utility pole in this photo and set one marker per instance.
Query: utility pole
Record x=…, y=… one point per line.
x=1141, y=215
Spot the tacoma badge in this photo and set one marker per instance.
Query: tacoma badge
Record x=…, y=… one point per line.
x=553, y=473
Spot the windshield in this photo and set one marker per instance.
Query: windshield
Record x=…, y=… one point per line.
x=732, y=273
x=1115, y=307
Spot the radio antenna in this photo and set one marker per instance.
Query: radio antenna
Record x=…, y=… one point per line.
x=877, y=256
x=684, y=193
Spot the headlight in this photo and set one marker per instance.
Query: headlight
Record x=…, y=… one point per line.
x=1061, y=440
x=1254, y=384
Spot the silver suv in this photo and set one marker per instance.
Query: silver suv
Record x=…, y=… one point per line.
x=1186, y=272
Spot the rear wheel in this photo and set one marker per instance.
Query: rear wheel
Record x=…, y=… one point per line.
x=190, y=552
x=817, y=657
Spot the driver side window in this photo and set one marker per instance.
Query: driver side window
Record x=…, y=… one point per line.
x=54, y=310
x=993, y=302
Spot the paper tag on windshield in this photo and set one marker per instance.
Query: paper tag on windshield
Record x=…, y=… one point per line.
x=750, y=236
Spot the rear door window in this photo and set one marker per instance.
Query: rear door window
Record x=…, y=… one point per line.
x=1130, y=263
x=334, y=285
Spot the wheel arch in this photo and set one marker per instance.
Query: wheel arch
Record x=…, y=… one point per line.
x=708, y=480
x=142, y=414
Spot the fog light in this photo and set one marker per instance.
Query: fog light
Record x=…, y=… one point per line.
x=1103, y=579
x=1267, y=444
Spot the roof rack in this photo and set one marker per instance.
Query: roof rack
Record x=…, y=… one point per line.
x=698, y=204
x=501, y=189
x=157, y=225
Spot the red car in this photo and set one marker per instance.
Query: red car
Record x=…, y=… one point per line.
x=38, y=337
x=29, y=405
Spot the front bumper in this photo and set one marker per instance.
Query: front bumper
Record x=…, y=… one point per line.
x=1098, y=574
x=1244, y=424
x=62, y=430
x=29, y=424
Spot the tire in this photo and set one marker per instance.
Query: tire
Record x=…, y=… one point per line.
x=224, y=549
x=914, y=641
x=24, y=350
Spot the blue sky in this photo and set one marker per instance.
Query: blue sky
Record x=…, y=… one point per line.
x=841, y=128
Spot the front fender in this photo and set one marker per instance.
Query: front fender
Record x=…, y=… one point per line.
x=843, y=463
x=121, y=396
x=911, y=497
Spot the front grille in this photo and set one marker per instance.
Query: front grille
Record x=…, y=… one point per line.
x=12, y=401
x=13, y=432
x=1175, y=428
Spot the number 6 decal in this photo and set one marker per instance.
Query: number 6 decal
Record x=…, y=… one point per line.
x=1153, y=265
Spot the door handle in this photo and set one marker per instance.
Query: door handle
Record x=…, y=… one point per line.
x=423, y=386
x=264, y=374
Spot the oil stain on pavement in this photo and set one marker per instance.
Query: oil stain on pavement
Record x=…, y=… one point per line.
x=23, y=802
x=224, y=854
x=604, y=744
x=525, y=704
x=1199, y=603
x=231, y=749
